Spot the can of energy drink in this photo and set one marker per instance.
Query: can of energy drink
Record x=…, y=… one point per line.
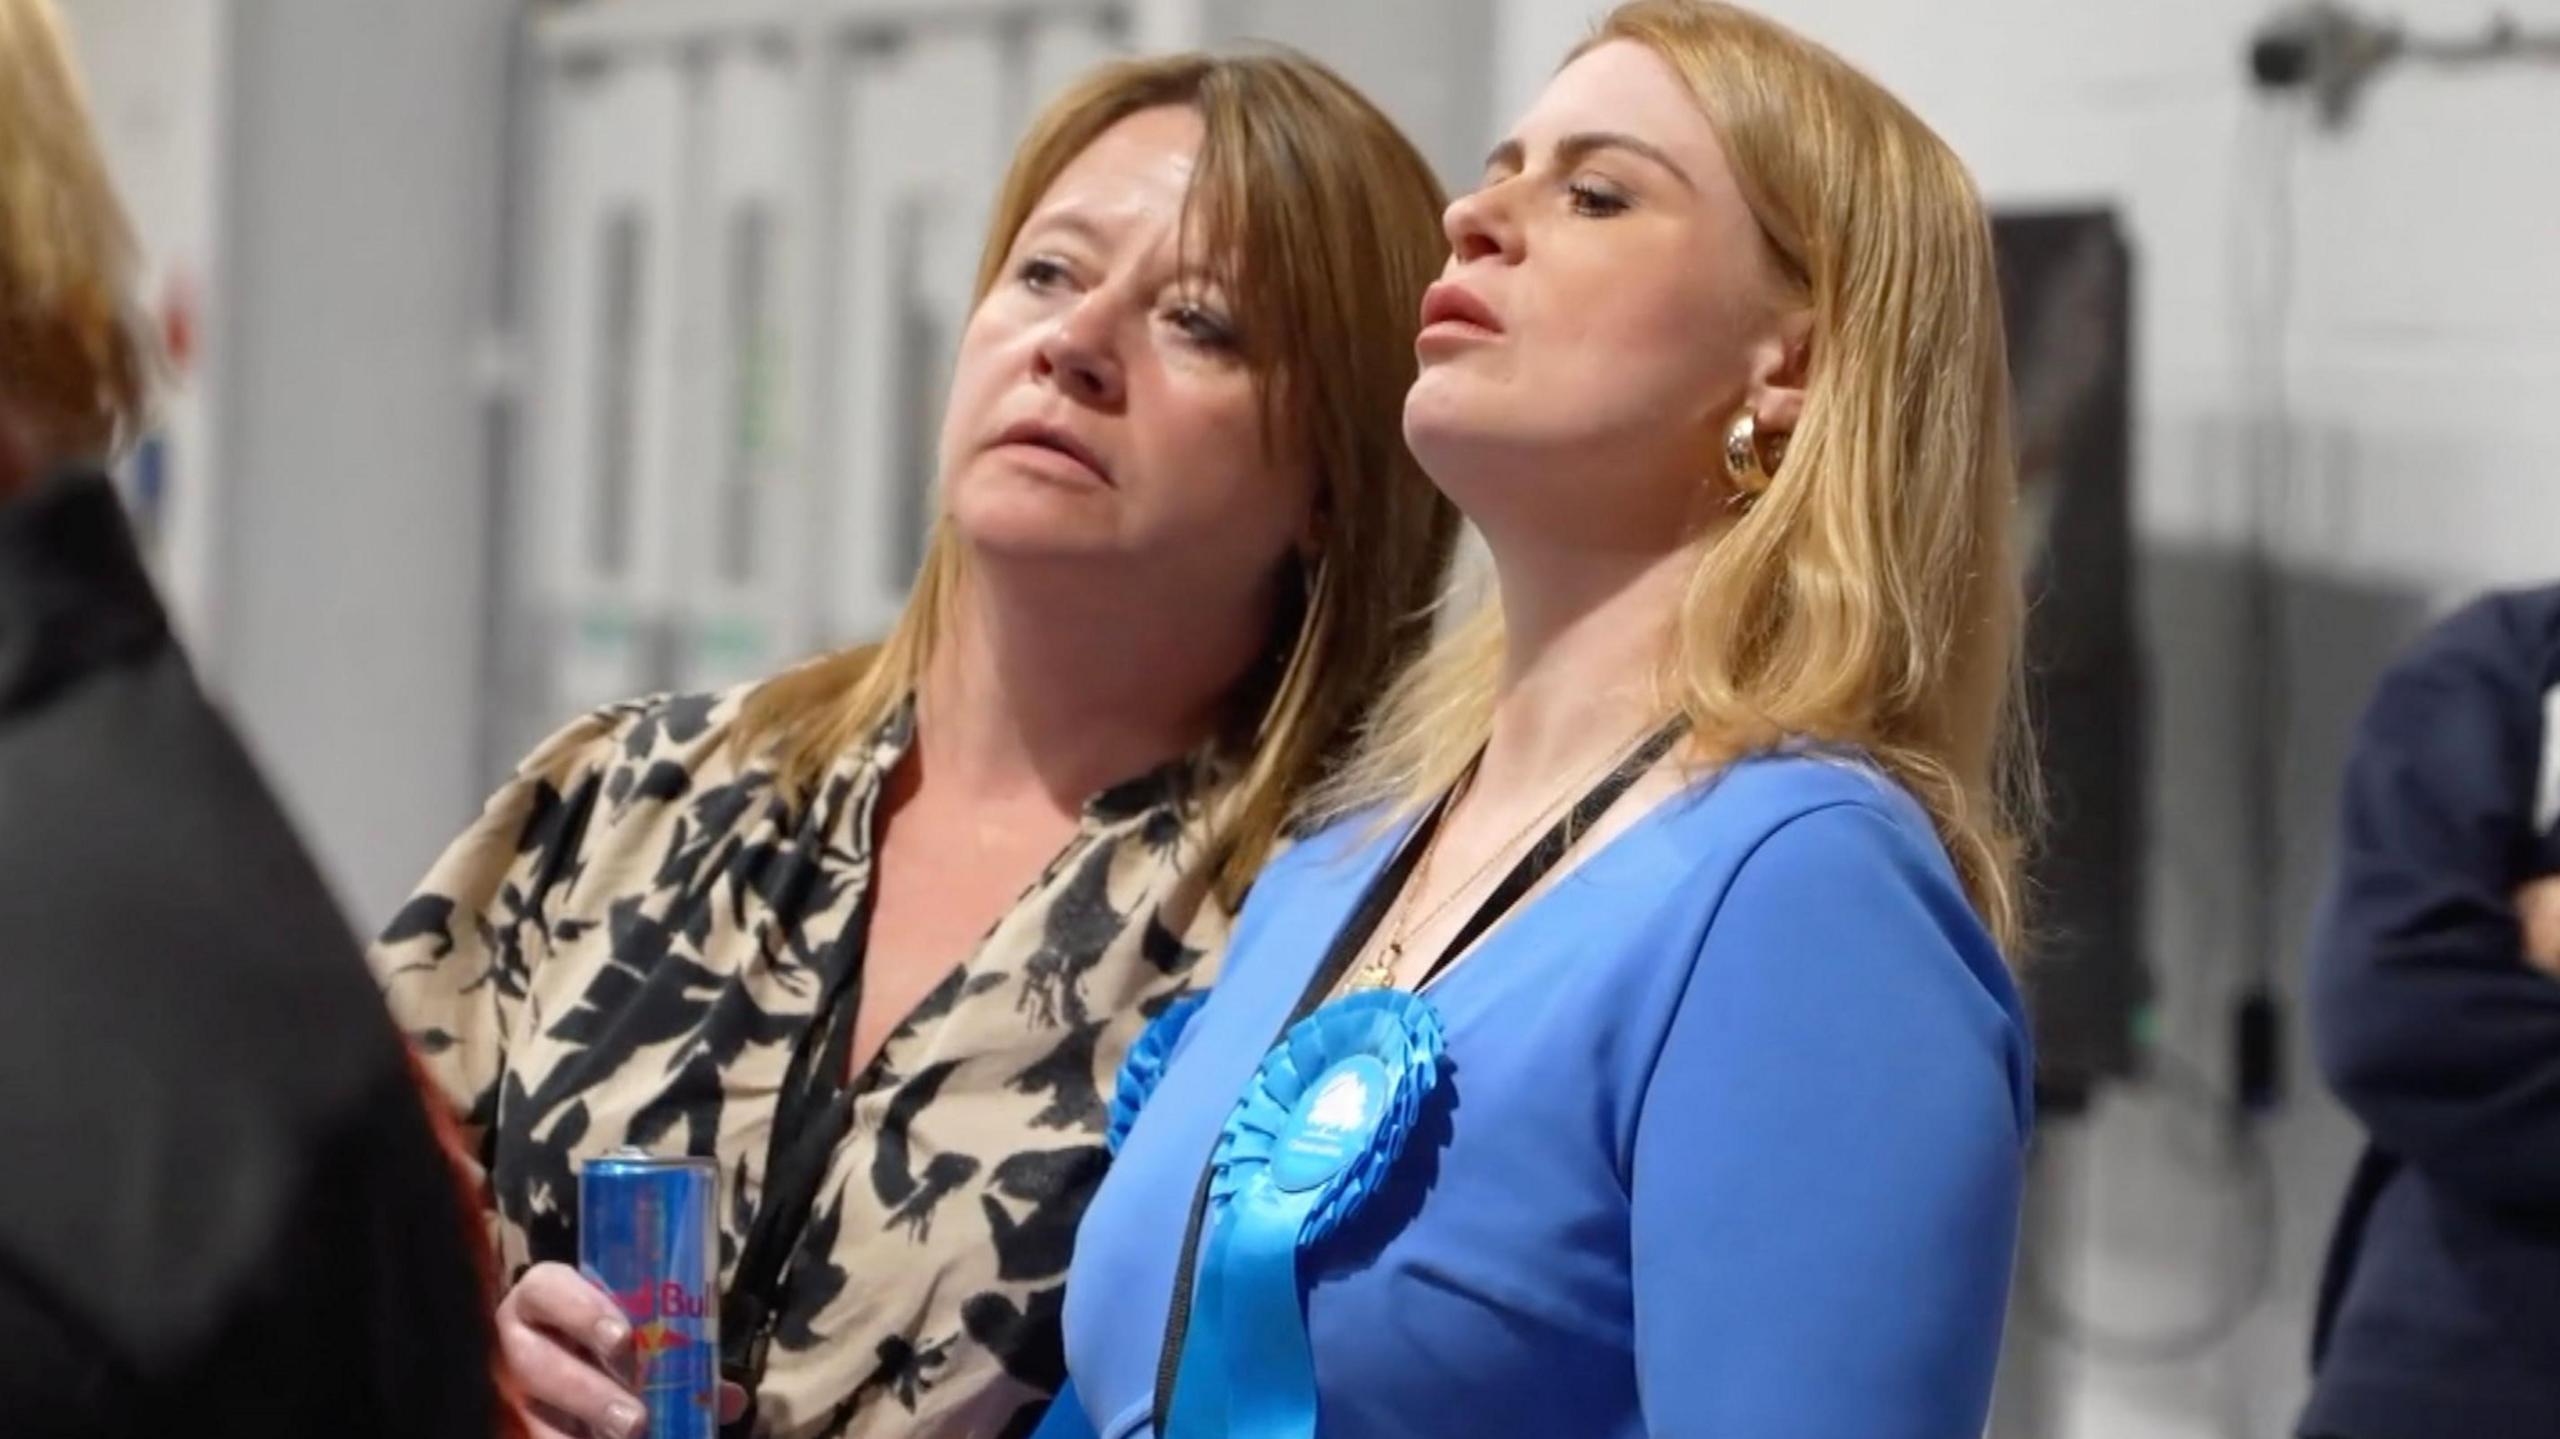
x=645, y=1233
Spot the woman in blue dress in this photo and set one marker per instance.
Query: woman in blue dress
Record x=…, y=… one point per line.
x=1651, y=1061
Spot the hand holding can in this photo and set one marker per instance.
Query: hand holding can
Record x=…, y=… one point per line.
x=570, y=1348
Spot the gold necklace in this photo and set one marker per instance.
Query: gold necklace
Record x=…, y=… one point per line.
x=1379, y=972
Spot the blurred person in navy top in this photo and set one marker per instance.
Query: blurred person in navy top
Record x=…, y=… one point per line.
x=1686, y=866
x=2435, y=1012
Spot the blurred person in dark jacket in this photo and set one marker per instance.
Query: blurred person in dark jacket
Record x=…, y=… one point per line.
x=222, y=1205
x=2435, y=976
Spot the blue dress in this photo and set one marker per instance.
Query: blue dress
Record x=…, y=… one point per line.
x=1730, y=1143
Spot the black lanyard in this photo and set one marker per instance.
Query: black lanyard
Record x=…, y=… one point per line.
x=809, y=1120
x=1354, y=937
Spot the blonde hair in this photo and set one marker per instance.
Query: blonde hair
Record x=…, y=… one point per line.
x=74, y=364
x=1868, y=598
x=1323, y=226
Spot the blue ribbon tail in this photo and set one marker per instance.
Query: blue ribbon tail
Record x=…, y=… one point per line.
x=1066, y=1418
x=1271, y=1372
x=1316, y=1129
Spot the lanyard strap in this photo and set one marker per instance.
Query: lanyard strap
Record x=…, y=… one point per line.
x=1354, y=936
x=1550, y=849
x=809, y=1120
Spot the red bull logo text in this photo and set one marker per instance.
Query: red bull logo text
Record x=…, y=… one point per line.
x=670, y=1299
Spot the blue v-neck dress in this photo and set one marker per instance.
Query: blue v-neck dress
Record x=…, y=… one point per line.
x=1730, y=1143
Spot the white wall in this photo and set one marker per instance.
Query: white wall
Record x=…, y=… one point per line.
x=1425, y=62
x=2416, y=348
x=363, y=189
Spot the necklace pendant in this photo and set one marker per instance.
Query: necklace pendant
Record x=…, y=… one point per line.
x=1377, y=972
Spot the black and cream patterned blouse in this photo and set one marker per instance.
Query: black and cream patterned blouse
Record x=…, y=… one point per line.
x=624, y=950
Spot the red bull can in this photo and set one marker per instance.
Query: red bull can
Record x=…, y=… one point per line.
x=646, y=1234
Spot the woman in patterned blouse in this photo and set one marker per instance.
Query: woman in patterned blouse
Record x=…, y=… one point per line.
x=1180, y=543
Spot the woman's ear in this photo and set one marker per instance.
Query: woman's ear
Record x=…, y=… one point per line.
x=1780, y=368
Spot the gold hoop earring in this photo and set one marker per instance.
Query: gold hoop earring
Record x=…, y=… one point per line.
x=1744, y=462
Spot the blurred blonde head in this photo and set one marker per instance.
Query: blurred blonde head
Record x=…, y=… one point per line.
x=1320, y=223
x=73, y=363
x=1868, y=596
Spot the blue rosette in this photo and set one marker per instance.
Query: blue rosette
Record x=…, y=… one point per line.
x=1318, y=1129
x=1143, y=1068
x=1398, y=1036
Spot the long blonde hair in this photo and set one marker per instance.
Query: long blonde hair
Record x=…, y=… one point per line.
x=1868, y=598
x=1325, y=225
x=74, y=362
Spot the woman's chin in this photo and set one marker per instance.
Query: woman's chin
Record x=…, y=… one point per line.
x=1455, y=422
x=1034, y=520
x=1031, y=547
